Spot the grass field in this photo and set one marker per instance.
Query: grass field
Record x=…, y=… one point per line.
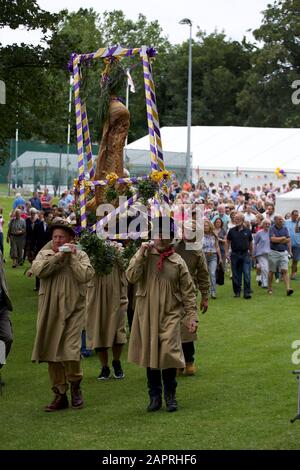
x=242, y=397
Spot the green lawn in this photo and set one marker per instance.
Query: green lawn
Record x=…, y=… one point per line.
x=242, y=397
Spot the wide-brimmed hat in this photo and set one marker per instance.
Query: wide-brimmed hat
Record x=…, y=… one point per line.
x=61, y=224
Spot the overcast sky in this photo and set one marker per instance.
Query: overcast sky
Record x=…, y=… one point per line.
x=233, y=16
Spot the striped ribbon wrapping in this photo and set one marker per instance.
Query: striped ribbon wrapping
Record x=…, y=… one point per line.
x=115, y=51
x=135, y=179
x=151, y=90
x=119, y=210
x=153, y=150
x=87, y=142
x=82, y=202
x=79, y=134
x=160, y=157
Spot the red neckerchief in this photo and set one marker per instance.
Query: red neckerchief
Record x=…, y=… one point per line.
x=163, y=256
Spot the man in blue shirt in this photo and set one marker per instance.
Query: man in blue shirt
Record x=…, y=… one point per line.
x=35, y=201
x=293, y=227
x=70, y=197
x=239, y=239
x=19, y=201
x=280, y=243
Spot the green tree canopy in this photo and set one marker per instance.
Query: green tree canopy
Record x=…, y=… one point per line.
x=266, y=97
x=15, y=13
x=219, y=72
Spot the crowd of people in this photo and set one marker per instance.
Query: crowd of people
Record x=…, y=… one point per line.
x=28, y=226
x=241, y=232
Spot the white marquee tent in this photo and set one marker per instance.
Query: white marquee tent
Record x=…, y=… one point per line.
x=232, y=153
x=288, y=201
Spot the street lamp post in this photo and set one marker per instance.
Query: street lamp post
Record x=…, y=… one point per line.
x=59, y=170
x=189, y=103
x=17, y=146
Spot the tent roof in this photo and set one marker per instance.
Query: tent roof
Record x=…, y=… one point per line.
x=291, y=195
x=32, y=158
x=218, y=148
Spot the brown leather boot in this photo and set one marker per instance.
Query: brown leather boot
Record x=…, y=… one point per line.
x=60, y=402
x=190, y=368
x=76, y=395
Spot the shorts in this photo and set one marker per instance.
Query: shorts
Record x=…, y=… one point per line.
x=278, y=261
x=296, y=253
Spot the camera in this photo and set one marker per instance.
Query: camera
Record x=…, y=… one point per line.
x=64, y=249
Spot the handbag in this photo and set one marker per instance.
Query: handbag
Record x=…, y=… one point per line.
x=220, y=275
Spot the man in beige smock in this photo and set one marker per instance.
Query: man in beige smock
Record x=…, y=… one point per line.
x=64, y=272
x=165, y=296
x=190, y=250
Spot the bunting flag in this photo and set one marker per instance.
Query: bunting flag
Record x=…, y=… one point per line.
x=130, y=82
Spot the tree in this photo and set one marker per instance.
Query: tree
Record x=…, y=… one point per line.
x=22, y=70
x=219, y=68
x=75, y=32
x=266, y=97
x=15, y=13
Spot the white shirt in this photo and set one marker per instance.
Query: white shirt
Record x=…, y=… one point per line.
x=249, y=217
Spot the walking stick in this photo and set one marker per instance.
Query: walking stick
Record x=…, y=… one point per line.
x=297, y=372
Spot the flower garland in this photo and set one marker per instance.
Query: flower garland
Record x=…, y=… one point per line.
x=147, y=190
x=111, y=178
x=77, y=183
x=159, y=176
x=102, y=254
x=115, y=189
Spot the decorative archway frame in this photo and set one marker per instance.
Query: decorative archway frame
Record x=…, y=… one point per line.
x=83, y=133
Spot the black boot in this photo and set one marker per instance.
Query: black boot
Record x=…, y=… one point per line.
x=154, y=389
x=171, y=402
x=155, y=404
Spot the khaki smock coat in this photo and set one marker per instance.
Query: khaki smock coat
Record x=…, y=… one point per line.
x=196, y=263
x=163, y=298
x=106, y=309
x=5, y=294
x=61, y=306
